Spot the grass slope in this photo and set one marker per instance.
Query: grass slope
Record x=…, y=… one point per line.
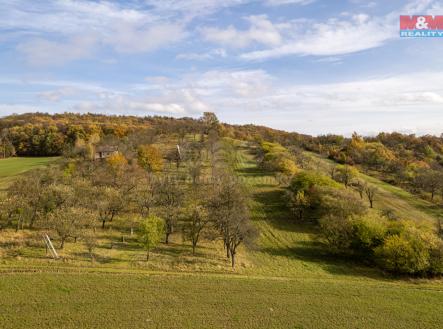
x=286, y=247
x=389, y=197
x=11, y=167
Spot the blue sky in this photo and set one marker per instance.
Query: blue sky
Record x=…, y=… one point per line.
x=311, y=66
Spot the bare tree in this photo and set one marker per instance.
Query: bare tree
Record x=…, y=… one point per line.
x=67, y=222
x=196, y=221
x=109, y=203
x=430, y=180
x=360, y=187
x=169, y=198
x=230, y=213
x=370, y=192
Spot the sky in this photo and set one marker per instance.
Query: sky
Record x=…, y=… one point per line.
x=310, y=66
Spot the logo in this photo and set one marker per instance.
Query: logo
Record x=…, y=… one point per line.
x=424, y=26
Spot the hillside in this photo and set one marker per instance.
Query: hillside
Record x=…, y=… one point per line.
x=389, y=197
x=285, y=277
x=285, y=281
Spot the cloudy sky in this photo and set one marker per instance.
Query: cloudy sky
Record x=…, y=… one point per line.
x=311, y=66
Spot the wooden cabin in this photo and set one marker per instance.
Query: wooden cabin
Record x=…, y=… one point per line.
x=104, y=152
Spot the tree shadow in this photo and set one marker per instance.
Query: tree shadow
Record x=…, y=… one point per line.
x=317, y=253
x=253, y=171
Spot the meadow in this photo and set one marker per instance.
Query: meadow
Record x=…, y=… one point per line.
x=11, y=167
x=116, y=300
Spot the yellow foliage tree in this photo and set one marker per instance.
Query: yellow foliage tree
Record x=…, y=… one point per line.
x=117, y=161
x=150, y=158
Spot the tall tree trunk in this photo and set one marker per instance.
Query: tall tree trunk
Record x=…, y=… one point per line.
x=103, y=224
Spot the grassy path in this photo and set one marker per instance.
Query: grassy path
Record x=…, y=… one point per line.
x=287, y=247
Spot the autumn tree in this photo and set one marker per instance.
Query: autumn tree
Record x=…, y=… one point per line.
x=298, y=202
x=229, y=211
x=370, y=192
x=210, y=122
x=29, y=190
x=90, y=240
x=345, y=174
x=169, y=198
x=7, y=149
x=360, y=187
x=151, y=232
x=196, y=220
x=150, y=158
x=108, y=202
x=430, y=180
x=68, y=221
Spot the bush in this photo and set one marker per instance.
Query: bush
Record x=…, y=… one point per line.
x=339, y=203
x=368, y=232
x=305, y=180
x=436, y=259
x=337, y=233
x=405, y=254
x=277, y=158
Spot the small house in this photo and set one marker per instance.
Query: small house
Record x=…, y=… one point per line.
x=104, y=152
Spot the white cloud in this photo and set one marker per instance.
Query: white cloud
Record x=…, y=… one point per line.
x=287, y=2
x=335, y=37
x=127, y=106
x=7, y=109
x=214, y=53
x=156, y=107
x=57, y=94
x=129, y=39
x=62, y=31
x=44, y=52
x=261, y=31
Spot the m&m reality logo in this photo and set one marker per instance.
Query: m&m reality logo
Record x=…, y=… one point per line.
x=421, y=26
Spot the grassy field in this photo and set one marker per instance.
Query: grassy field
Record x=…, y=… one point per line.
x=210, y=301
x=288, y=281
x=11, y=167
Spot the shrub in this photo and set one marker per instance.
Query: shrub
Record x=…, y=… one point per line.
x=337, y=233
x=406, y=254
x=339, y=203
x=277, y=158
x=436, y=258
x=305, y=180
x=368, y=232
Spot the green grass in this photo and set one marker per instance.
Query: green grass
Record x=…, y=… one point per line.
x=11, y=167
x=288, y=281
x=93, y=300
